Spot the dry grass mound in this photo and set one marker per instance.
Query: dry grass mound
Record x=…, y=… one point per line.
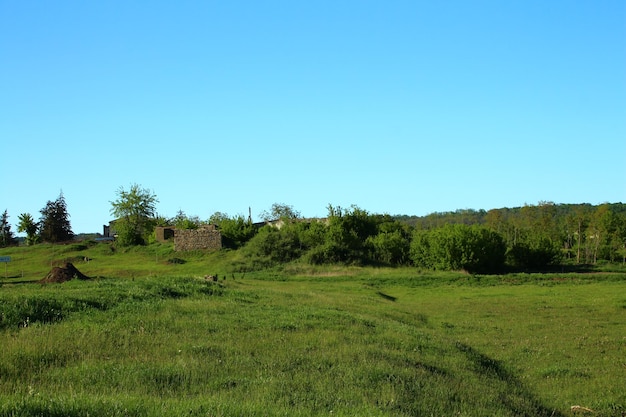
x=62, y=274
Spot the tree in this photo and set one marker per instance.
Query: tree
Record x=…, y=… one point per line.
x=607, y=230
x=54, y=224
x=218, y=217
x=6, y=235
x=28, y=225
x=183, y=221
x=576, y=222
x=280, y=211
x=134, y=211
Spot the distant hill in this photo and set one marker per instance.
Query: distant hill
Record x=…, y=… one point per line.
x=471, y=216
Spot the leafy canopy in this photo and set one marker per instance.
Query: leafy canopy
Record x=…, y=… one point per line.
x=29, y=226
x=6, y=235
x=54, y=224
x=135, y=210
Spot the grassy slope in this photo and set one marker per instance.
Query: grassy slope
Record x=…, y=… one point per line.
x=350, y=341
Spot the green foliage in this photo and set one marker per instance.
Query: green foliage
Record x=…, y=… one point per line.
x=329, y=253
x=390, y=248
x=278, y=245
x=459, y=247
x=583, y=232
x=183, y=221
x=311, y=234
x=135, y=211
x=236, y=231
x=606, y=233
x=6, y=235
x=354, y=236
x=28, y=225
x=218, y=217
x=128, y=234
x=280, y=211
x=54, y=224
x=438, y=219
x=534, y=254
x=346, y=236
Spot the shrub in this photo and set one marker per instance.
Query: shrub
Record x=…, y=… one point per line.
x=391, y=248
x=236, y=231
x=534, y=254
x=459, y=247
x=278, y=245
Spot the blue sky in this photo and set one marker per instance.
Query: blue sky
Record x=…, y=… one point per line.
x=399, y=107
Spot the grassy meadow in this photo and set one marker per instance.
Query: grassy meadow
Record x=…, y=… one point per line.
x=149, y=336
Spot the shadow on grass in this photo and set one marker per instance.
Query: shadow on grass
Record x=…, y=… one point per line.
x=387, y=296
x=9, y=281
x=514, y=396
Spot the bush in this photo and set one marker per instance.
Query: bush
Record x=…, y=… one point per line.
x=128, y=234
x=329, y=253
x=391, y=248
x=534, y=254
x=236, y=231
x=459, y=247
x=278, y=245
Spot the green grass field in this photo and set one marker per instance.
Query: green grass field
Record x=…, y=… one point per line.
x=149, y=336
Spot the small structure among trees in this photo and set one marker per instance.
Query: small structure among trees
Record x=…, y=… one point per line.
x=204, y=237
x=164, y=233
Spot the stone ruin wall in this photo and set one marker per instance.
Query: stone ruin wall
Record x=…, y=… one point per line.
x=202, y=238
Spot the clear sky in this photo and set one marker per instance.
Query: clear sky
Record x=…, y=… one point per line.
x=398, y=107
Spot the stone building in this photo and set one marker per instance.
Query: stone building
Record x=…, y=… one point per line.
x=164, y=233
x=206, y=237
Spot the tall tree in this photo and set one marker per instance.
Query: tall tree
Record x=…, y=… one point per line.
x=54, y=224
x=576, y=221
x=6, y=235
x=28, y=225
x=135, y=210
x=546, y=221
x=605, y=227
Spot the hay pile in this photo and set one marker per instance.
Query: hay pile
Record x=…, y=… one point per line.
x=66, y=273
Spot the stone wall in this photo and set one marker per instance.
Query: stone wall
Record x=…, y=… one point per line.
x=203, y=238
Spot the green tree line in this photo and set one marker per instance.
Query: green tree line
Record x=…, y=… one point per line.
x=53, y=225
x=531, y=237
